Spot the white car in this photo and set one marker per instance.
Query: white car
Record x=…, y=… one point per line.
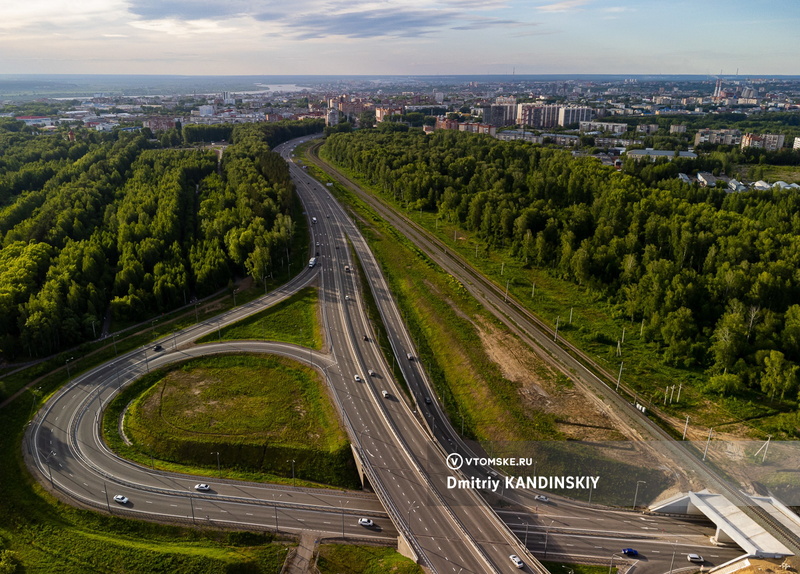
x=541, y=497
x=385, y=394
x=365, y=522
x=121, y=499
x=517, y=562
x=357, y=378
x=202, y=487
x=694, y=558
x=371, y=373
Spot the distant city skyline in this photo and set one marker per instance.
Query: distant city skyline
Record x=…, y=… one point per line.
x=399, y=37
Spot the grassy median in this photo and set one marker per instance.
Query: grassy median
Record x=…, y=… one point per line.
x=258, y=412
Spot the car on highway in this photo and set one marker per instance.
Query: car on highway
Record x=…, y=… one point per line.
x=385, y=394
x=366, y=338
x=516, y=560
x=202, y=487
x=427, y=400
x=409, y=356
x=630, y=552
x=541, y=498
x=694, y=558
x=121, y=499
x=371, y=373
x=365, y=522
x=357, y=378
x=158, y=348
x=347, y=297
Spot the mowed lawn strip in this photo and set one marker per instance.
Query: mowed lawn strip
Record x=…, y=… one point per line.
x=347, y=559
x=293, y=320
x=258, y=412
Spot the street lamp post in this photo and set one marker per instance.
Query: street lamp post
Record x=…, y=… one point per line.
x=218, y=467
x=292, y=461
x=34, y=393
x=636, y=494
x=342, y=507
x=275, y=506
x=546, y=533
x=611, y=566
x=408, y=516
x=49, y=468
x=67, y=364
x=526, y=535
x=672, y=562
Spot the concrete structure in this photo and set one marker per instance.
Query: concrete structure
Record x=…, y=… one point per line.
x=769, y=142
x=718, y=137
x=537, y=115
x=159, y=123
x=654, y=154
x=737, y=186
x=648, y=129
x=677, y=129
x=733, y=525
x=35, y=120
x=477, y=128
x=382, y=112
x=614, y=128
x=332, y=117
x=796, y=143
x=574, y=115
x=442, y=123
x=706, y=179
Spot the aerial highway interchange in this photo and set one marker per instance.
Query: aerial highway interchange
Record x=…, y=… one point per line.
x=401, y=449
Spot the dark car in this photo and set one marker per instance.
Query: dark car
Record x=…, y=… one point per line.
x=158, y=348
x=630, y=552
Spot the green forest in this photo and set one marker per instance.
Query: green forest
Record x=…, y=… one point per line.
x=115, y=222
x=712, y=277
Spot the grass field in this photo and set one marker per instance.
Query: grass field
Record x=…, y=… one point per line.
x=347, y=559
x=293, y=320
x=258, y=412
x=44, y=535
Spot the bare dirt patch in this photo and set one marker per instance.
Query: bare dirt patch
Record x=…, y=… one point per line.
x=544, y=389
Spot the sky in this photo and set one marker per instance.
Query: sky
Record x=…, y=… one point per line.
x=399, y=37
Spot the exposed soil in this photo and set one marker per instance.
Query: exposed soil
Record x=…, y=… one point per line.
x=544, y=389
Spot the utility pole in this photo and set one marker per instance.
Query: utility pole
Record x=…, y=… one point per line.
x=710, y=432
x=685, y=427
x=555, y=338
x=619, y=376
x=636, y=494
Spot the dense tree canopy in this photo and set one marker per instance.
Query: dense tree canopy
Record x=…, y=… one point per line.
x=713, y=275
x=109, y=223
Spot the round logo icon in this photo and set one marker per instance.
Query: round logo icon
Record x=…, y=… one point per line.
x=454, y=461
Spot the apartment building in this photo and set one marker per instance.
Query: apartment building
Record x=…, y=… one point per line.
x=769, y=142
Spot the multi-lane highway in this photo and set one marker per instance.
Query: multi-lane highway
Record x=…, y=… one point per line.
x=450, y=530
x=447, y=533
x=573, y=362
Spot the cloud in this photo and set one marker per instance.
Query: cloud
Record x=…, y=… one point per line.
x=314, y=19
x=59, y=13
x=481, y=23
x=175, y=27
x=563, y=6
x=371, y=23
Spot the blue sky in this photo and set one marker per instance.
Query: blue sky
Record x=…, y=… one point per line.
x=757, y=37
